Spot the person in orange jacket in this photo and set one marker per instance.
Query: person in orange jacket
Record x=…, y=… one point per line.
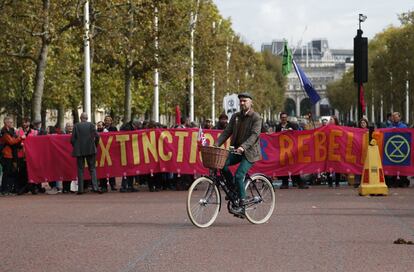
x=23, y=185
x=11, y=154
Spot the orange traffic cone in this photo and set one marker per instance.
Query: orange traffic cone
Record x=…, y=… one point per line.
x=373, y=181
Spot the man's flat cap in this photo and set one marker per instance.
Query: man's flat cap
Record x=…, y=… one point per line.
x=245, y=95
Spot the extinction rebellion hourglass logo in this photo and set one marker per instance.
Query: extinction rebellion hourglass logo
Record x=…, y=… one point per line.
x=397, y=147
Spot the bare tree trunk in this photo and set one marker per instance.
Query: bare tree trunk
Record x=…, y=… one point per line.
x=43, y=118
x=61, y=116
x=127, y=102
x=75, y=115
x=41, y=64
x=93, y=115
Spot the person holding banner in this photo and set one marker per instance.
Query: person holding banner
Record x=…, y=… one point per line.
x=333, y=121
x=363, y=123
x=84, y=141
x=283, y=126
x=397, y=181
x=12, y=155
x=396, y=121
x=244, y=129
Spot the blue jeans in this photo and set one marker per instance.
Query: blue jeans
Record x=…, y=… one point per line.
x=241, y=171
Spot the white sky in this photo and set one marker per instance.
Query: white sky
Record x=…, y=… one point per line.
x=261, y=21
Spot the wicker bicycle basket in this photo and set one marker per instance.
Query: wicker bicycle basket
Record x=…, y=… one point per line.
x=214, y=157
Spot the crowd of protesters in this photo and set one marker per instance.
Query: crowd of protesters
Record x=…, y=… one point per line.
x=14, y=178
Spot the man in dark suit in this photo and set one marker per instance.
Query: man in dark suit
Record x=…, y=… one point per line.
x=244, y=128
x=84, y=141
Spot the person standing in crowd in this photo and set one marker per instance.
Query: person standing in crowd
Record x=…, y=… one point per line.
x=283, y=126
x=310, y=123
x=244, y=130
x=84, y=141
x=66, y=183
x=333, y=121
x=397, y=181
x=68, y=128
x=208, y=124
x=183, y=181
x=153, y=180
x=100, y=127
x=388, y=122
x=184, y=123
x=107, y=126
x=23, y=181
x=127, y=183
x=10, y=154
x=37, y=126
x=363, y=123
x=54, y=185
x=223, y=121
x=396, y=121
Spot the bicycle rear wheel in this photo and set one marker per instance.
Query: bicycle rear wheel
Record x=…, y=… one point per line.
x=260, y=189
x=203, y=202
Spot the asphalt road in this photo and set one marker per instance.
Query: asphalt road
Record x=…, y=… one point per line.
x=319, y=229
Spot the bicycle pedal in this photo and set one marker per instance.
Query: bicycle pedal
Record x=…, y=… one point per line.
x=241, y=216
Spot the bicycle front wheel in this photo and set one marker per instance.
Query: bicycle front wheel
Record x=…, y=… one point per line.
x=260, y=189
x=203, y=202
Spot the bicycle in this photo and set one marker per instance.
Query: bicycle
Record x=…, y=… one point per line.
x=204, y=195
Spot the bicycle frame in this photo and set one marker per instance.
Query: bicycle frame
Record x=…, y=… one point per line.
x=228, y=188
x=207, y=202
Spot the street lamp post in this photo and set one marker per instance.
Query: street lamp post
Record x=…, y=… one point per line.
x=193, y=21
x=87, y=64
x=155, y=110
x=360, y=63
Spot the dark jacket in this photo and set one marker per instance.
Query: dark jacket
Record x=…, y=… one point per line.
x=127, y=127
x=84, y=139
x=244, y=131
x=288, y=126
x=111, y=128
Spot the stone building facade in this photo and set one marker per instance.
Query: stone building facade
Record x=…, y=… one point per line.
x=321, y=65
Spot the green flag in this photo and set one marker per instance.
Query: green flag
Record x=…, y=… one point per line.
x=287, y=60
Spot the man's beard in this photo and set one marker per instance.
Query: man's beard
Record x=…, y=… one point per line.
x=244, y=109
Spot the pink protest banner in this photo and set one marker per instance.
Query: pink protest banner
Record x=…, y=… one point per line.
x=326, y=149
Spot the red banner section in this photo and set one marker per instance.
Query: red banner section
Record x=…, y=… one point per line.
x=326, y=149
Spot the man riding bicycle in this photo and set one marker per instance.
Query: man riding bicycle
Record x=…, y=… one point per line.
x=244, y=128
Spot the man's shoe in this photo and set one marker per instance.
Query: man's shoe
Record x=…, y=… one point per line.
x=52, y=191
x=284, y=187
x=123, y=190
x=97, y=191
x=246, y=201
x=79, y=193
x=303, y=187
x=239, y=212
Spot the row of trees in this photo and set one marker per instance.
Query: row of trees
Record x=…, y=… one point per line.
x=390, y=67
x=41, y=58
